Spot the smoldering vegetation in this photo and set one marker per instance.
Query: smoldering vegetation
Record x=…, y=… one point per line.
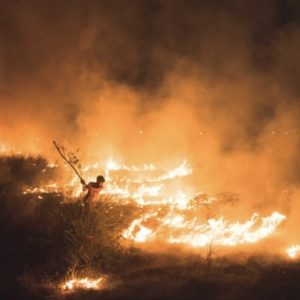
x=44, y=241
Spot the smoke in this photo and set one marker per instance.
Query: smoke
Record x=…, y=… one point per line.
x=216, y=83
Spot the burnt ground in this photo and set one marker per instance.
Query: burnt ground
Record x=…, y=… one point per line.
x=42, y=241
x=190, y=281
x=145, y=279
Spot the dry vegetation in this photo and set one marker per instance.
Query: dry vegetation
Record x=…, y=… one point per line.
x=44, y=240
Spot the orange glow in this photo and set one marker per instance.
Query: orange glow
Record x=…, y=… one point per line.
x=169, y=214
x=82, y=283
x=293, y=251
x=175, y=229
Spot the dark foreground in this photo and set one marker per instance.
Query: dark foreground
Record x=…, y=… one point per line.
x=187, y=279
x=44, y=238
x=250, y=281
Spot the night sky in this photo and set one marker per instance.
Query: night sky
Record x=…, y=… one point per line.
x=138, y=42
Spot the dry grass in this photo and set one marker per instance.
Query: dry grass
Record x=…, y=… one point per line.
x=43, y=240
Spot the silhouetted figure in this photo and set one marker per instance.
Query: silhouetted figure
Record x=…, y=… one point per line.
x=93, y=188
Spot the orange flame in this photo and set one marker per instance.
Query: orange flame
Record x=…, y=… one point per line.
x=82, y=283
x=175, y=229
x=148, y=187
x=293, y=251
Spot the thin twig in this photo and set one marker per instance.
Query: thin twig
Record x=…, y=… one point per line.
x=61, y=151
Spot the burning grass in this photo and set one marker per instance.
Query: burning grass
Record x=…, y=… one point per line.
x=170, y=211
x=49, y=243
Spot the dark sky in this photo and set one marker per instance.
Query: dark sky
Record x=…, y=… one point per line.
x=138, y=42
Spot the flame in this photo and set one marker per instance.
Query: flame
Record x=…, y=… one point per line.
x=182, y=170
x=175, y=229
x=170, y=211
x=293, y=251
x=3, y=148
x=6, y=149
x=112, y=165
x=49, y=188
x=147, y=185
x=138, y=231
x=82, y=283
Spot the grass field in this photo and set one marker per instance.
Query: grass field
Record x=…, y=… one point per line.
x=47, y=239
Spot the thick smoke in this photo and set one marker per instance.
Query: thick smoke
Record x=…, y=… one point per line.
x=212, y=81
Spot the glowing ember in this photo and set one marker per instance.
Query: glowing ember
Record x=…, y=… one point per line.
x=49, y=188
x=82, y=283
x=293, y=251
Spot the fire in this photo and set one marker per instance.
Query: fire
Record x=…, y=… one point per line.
x=175, y=229
x=3, y=148
x=293, y=251
x=49, y=188
x=112, y=165
x=6, y=149
x=140, y=184
x=224, y=233
x=82, y=283
x=182, y=170
x=138, y=231
x=171, y=212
